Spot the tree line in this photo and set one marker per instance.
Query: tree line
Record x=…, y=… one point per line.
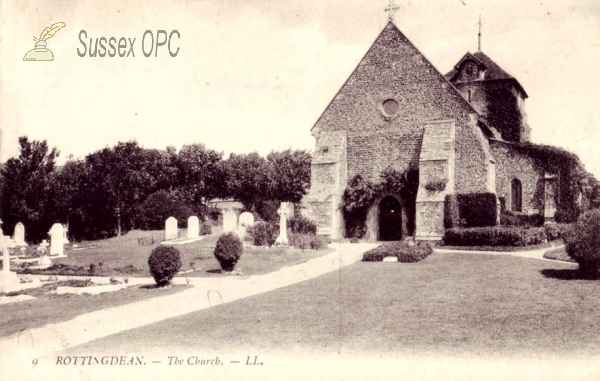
x=126, y=187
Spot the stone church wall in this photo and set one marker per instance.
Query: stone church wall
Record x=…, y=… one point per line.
x=394, y=69
x=511, y=164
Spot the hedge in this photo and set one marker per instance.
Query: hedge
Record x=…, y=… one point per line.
x=508, y=218
x=470, y=210
x=494, y=236
x=582, y=242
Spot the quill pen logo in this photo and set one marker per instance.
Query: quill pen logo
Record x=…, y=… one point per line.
x=41, y=53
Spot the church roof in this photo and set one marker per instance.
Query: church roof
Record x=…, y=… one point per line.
x=492, y=70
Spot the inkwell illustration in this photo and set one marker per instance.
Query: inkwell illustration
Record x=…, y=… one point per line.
x=41, y=53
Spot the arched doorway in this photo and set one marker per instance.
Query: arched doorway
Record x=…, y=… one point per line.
x=390, y=219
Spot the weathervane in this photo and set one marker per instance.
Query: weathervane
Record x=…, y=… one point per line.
x=391, y=9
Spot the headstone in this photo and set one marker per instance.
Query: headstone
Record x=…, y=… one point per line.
x=246, y=221
x=65, y=231
x=390, y=259
x=170, y=228
x=19, y=233
x=8, y=280
x=57, y=243
x=229, y=221
x=193, y=227
x=283, y=211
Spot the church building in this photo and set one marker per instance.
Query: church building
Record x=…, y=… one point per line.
x=462, y=130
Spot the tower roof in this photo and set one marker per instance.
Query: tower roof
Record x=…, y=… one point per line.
x=491, y=70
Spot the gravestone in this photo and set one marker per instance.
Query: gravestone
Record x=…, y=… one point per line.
x=229, y=221
x=57, y=244
x=193, y=227
x=170, y=228
x=19, y=233
x=65, y=231
x=246, y=221
x=8, y=281
x=283, y=211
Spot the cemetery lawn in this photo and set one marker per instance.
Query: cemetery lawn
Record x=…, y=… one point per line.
x=127, y=256
x=447, y=304
x=48, y=308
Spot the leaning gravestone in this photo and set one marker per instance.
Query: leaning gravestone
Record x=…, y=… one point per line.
x=170, y=228
x=193, y=227
x=283, y=211
x=246, y=221
x=229, y=221
x=57, y=243
x=19, y=233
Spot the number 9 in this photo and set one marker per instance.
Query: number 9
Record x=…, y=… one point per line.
x=34, y=362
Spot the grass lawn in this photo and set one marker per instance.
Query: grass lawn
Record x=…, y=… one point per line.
x=559, y=254
x=125, y=256
x=452, y=304
x=48, y=309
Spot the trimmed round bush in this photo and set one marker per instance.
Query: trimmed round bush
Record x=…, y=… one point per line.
x=582, y=242
x=164, y=263
x=400, y=250
x=205, y=229
x=228, y=251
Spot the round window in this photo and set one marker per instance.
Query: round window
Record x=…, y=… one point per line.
x=390, y=107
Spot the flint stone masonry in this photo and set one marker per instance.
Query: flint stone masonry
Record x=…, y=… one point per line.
x=436, y=162
x=511, y=164
x=430, y=127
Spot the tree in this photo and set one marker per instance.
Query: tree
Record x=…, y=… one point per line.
x=121, y=178
x=290, y=174
x=248, y=179
x=26, y=188
x=200, y=176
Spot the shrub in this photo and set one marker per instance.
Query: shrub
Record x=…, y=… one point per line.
x=582, y=242
x=400, y=250
x=159, y=206
x=494, y=236
x=228, y=251
x=205, y=229
x=164, y=263
x=552, y=231
x=216, y=215
x=302, y=225
x=508, y=218
x=263, y=233
x=436, y=185
x=306, y=241
x=477, y=209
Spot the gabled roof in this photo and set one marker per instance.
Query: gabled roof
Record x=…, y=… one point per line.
x=492, y=70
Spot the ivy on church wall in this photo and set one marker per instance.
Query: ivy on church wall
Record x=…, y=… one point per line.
x=360, y=195
x=571, y=176
x=503, y=111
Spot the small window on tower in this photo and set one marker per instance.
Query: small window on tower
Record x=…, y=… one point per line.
x=390, y=107
x=469, y=96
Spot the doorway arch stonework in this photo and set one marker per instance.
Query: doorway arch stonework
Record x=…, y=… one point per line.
x=373, y=217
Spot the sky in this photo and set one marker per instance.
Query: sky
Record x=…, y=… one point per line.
x=256, y=75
